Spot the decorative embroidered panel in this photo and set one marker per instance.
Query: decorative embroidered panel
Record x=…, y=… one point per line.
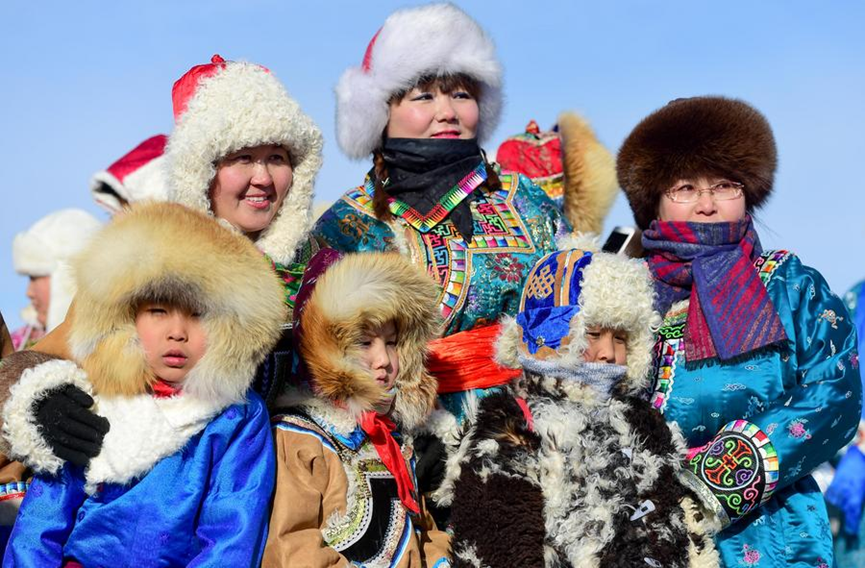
x=480, y=278
x=446, y=204
x=739, y=467
x=375, y=529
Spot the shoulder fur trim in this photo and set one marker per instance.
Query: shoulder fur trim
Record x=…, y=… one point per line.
x=342, y=421
x=20, y=429
x=144, y=430
x=590, y=175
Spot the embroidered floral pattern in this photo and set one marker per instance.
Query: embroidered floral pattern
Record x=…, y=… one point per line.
x=507, y=267
x=751, y=556
x=796, y=429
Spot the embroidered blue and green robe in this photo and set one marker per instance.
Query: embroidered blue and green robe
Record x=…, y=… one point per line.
x=479, y=280
x=760, y=424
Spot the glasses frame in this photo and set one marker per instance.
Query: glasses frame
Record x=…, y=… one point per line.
x=739, y=190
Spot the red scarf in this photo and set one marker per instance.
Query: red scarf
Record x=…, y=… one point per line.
x=380, y=429
x=164, y=389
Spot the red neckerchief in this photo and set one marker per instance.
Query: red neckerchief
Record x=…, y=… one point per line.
x=164, y=389
x=379, y=429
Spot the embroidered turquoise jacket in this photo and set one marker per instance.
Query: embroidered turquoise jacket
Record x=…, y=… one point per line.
x=759, y=425
x=479, y=280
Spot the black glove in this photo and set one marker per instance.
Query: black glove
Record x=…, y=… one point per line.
x=430, y=464
x=73, y=431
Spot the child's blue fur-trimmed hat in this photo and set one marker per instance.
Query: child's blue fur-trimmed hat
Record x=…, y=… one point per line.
x=550, y=299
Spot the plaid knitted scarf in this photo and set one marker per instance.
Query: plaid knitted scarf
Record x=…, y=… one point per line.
x=730, y=312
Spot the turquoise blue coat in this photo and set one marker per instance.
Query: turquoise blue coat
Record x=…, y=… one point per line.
x=479, y=280
x=768, y=419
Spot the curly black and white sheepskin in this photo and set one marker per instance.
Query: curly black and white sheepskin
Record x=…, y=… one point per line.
x=576, y=480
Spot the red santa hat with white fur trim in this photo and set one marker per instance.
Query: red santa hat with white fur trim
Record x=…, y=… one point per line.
x=138, y=175
x=436, y=39
x=224, y=106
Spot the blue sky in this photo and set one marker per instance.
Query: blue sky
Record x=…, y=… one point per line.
x=85, y=81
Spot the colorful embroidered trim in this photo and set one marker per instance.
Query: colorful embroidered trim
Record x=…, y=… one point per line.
x=289, y=425
x=290, y=276
x=669, y=346
x=553, y=186
x=446, y=204
x=739, y=467
x=13, y=490
x=768, y=262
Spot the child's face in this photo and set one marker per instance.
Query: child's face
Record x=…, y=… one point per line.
x=173, y=340
x=606, y=346
x=379, y=354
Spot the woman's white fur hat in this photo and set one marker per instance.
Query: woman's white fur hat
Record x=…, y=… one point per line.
x=225, y=106
x=46, y=248
x=436, y=39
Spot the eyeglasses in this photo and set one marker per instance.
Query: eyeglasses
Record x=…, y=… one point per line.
x=721, y=191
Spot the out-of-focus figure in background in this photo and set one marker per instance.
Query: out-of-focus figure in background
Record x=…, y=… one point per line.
x=847, y=489
x=42, y=253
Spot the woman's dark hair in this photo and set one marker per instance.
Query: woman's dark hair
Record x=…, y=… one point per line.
x=447, y=84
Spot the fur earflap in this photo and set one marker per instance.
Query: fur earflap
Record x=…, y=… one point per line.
x=435, y=39
x=590, y=175
x=240, y=106
x=695, y=137
x=167, y=252
x=617, y=294
x=357, y=291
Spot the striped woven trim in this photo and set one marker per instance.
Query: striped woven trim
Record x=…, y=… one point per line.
x=446, y=204
x=13, y=490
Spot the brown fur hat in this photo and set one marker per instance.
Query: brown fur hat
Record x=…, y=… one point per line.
x=354, y=292
x=167, y=252
x=692, y=137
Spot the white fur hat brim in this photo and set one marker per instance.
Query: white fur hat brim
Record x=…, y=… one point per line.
x=243, y=105
x=437, y=39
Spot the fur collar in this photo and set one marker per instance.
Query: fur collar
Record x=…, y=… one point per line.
x=144, y=430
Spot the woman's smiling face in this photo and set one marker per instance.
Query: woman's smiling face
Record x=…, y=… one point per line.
x=250, y=186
